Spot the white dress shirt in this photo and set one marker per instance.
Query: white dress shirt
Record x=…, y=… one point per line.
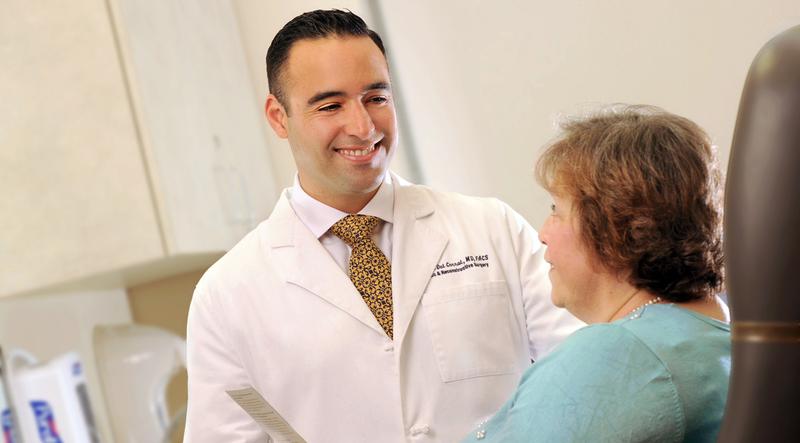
x=319, y=217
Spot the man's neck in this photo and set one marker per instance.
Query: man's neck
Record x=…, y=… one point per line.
x=350, y=204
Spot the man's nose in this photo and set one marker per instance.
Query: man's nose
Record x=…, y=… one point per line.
x=359, y=122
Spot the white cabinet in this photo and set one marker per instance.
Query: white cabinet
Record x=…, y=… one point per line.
x=130, y=138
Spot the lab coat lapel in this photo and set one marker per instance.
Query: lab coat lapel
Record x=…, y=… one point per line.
x=417, y=248
x=304, y=262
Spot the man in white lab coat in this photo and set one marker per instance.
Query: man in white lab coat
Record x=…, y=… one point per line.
x=456, y=299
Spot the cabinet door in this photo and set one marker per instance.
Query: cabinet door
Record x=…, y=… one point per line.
x=75, y=193
x=201, y=123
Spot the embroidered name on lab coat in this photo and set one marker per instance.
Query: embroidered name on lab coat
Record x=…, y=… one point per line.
x=460, y=265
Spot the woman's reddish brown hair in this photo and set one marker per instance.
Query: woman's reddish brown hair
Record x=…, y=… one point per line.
x=646, y=192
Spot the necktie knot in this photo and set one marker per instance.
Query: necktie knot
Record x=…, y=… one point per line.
x=355, y=228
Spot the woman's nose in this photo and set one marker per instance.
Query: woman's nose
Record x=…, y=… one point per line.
x=543, y=231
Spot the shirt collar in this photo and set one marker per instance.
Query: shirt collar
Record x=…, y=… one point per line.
x=319, y=217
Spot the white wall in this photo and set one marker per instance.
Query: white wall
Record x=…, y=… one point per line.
x=483, y=81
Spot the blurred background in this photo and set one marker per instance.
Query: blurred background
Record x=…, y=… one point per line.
x=134, y=152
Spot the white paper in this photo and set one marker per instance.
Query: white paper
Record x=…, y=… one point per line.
x=265, y=415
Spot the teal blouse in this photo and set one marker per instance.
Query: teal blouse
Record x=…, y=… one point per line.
x=659, y=375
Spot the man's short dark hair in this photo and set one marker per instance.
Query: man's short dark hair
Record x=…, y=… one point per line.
x=312, y=25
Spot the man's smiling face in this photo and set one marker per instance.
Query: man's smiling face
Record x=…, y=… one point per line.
x=340, y=121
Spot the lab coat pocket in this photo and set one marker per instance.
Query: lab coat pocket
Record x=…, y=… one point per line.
x=471, y=330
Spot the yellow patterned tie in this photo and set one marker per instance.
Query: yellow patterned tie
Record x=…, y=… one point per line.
x=370, y=271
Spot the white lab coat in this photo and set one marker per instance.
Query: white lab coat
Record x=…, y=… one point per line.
x=471, y=308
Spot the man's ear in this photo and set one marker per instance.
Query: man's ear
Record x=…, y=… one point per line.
x=276, y=116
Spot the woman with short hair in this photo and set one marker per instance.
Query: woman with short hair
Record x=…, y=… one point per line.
x=634, y=244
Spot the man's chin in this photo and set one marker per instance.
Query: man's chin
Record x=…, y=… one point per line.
x=367, y=183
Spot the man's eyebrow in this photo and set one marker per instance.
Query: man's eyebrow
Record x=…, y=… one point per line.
x=323, y=95
x=378, y=85
x=318, y=97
